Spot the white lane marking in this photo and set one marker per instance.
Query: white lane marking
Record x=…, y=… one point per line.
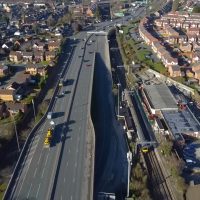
x=38, y=191
x=73, y=180
x=64, y=180
x=67, y=164
x=26, y=171
x=61, y=197
x=71, y=197
x=29, y=191
x=35, y=172
x=69, y=150
x=45, y=165
x=43, y=172
x=39, y=158
x=76, y=164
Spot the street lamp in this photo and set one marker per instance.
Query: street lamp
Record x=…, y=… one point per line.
x=15, y=131
x=118, y=84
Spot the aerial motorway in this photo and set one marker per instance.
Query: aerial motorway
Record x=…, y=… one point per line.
x=55, y=159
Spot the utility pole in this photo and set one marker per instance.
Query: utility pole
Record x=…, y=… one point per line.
x=34, y=109
x=118, y=84
x=17, y=139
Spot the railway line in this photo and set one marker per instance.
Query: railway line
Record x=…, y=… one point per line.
x=158, y=181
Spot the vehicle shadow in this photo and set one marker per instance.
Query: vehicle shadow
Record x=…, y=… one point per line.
x=63, y=139
x=58, y=114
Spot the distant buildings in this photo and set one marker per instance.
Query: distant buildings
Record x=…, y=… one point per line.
x=175, y=28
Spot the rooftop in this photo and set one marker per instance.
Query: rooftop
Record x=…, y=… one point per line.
x=160, y=97
x=181, y=122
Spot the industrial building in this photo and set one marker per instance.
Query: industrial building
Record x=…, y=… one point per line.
x=159, y=98
x=182, y=123
x=170, y=117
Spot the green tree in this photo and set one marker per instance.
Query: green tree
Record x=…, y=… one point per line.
x=196, y=9
x=175, y=5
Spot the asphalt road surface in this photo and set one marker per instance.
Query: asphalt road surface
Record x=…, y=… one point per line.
x=38, y=170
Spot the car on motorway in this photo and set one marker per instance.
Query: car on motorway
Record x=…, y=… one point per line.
x=88, y=65
x=47, y=142
x=63, y=93
x=49, y=115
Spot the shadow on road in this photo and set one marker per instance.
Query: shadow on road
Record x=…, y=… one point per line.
x=63, y=139
x=69, y=82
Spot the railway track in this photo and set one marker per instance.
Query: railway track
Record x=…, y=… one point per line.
x=158, y=182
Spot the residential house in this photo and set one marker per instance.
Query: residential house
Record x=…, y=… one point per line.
x=196, y=57
x=7, y=95
x=50, y=55
x=34, y=69
x=196, y=67
x=191, y=38
x=196, y=46
x=170, y=31
x=53, y=46
x=15, y=107
x=3, y=69
x=158, y=22
x=27, y=56
x=189, y=73
x=193, y=31
x=182, y=38
x=174, y=71
x=197, y=75
x=38, y=46
x=168, y=60
x=156, y=45
x=161, y=52
x=38, y=56
x=185, y=47
x=185, y=25
x=172, y=39
x=15, y=56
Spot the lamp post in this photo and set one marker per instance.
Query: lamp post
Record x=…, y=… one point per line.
x=34, y=109
x=17, y=139
x=118, y=84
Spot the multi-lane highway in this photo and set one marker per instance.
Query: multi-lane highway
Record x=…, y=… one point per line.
x=39, y=171
x=59, y=172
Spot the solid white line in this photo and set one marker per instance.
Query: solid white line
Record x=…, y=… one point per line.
x=35, y=172
x=29, y=191
x=38, y=191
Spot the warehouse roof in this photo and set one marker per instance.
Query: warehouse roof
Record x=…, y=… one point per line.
x=160, y=97
x=181, y=122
